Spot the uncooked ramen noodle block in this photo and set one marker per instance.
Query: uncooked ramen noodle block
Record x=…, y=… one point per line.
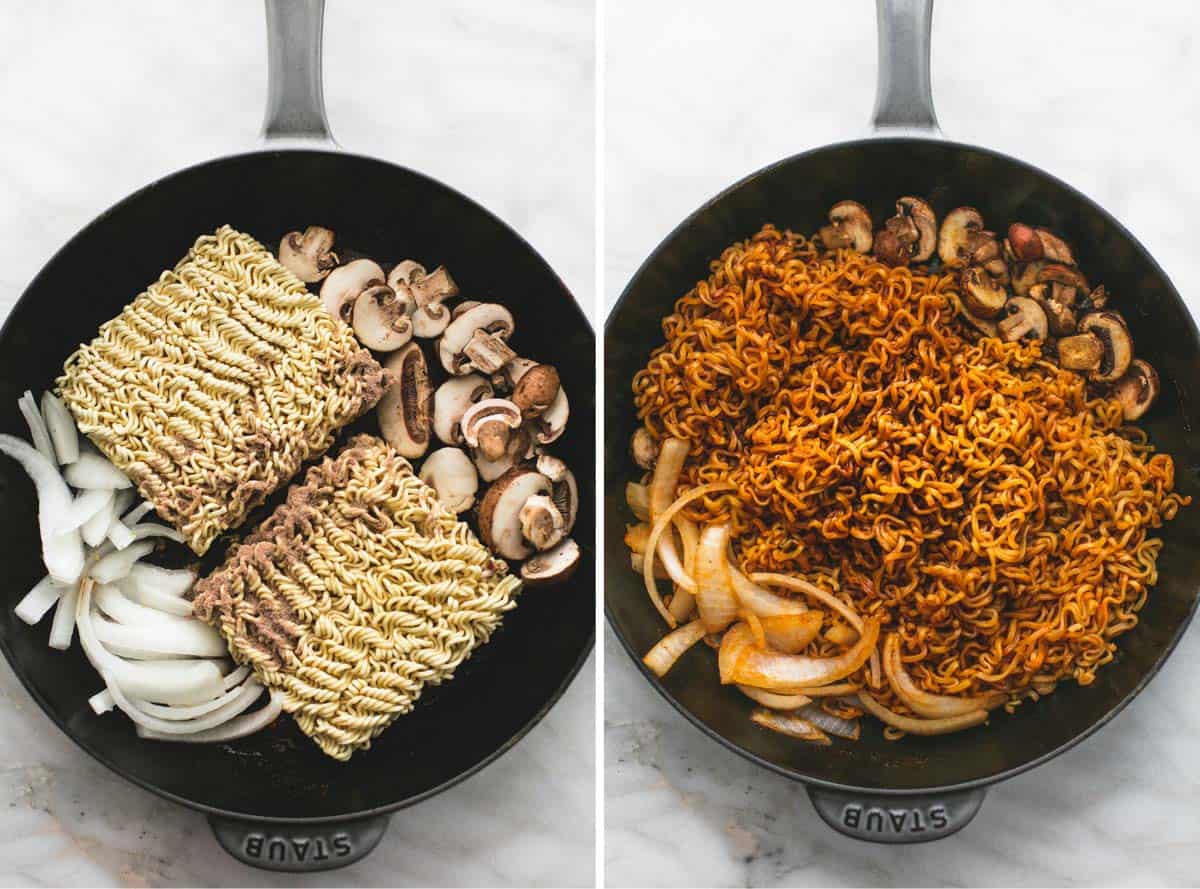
x=213, y=387
x=354, y=594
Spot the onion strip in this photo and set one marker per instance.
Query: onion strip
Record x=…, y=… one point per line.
x=667, y=470
x=247, y=695
x=39, y=600
x=662, y=657
x=924, y=703
x=116, y=565
x=790, y=724
x=683, y=603
x=761, y=601
x=637, y=497
x=246, y=724
x=800, y=585
x=714, y=590
x=62, y=553
x=38, y=432
x=791, y=633
x=181, y=714
x=833, y=725
x=793, y=673
x=60, y=426
x=63, y=627
x=774, y=701
x=831, y=691
x=922, y=726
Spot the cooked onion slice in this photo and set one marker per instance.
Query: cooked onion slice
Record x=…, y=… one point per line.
x=924, y=703
x=774, y=701
x=39, y=600
x=683, y=603
x=790, y=724
x=714, y=591
x=735, y=645
x=638, y=498
x=62, y=553
x=840, y=634
x=834, y=725
x=662, y=657
x=921, y=726
x=836, y=690
x=61, y=426
x=667, y=470
x=791, y=633
x=762, y=602
x=800, y=585
x=661, y=523
x=794, y=673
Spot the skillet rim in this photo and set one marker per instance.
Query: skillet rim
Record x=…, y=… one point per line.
x=199, y=167
x=762, y=761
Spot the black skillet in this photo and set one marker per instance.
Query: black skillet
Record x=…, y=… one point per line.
x=918, y=789
x=274, y=800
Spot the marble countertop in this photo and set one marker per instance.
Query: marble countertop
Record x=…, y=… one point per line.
x=99, y=99
x=1086, y=91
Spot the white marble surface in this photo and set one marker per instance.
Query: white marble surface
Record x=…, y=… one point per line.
x=493, y=98
x=700, y=94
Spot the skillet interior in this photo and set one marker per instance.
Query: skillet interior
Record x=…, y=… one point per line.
x=389, y=213
x=797, y=193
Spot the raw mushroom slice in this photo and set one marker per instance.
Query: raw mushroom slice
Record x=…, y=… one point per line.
x=500, y=511
x=552, y=566
x=477, y=340
x=1137, y=389
x=310, y=255
x=380, y=319
x=488, y=424
x=406, y=408
x=850, y=226
x=541, y=522
x=451, y=401
x=427, y=290
x=957, y=228
x=345, y=283
x=565, y=493
x=536, y=390
x=450, y=472
x=520, y=447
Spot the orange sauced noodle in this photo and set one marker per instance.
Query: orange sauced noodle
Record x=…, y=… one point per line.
x=980, y=500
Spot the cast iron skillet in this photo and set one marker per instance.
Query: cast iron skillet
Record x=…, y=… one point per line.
x=275, y=800
x=918, y=789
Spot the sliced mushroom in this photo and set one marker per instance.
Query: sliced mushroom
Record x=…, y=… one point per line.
x=565, y=491
x=1025, y=275
x=406, y=408
x=476, y=340
x=1054, y=248
x=345, y=283
x=450, y=472
x=500, y=526
x=487, y=425
x=1110, y=329
x=451, y=401
x=1023, y=243
x=507, y=377
x=982, y=296
x=850, y=227
x=926, y=222
x=643, y=448
x=309, y=255
x=1058, y=273
x=403, y=272
x=536, y=390
x=957, y=228
x=553, y=566
x=1137, y=389
x=894, y=244
x=541, y=522
x=464, y=307
x=1057, y=304
x=1082, y=352
x=552, y=422
x=520, y=447
x=1097, y=299
x=1024, y=320
x=380, y=319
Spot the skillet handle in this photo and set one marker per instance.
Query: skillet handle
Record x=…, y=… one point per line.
x=903, y=93
x=298, y=848
x=295, y=94
x=897, y=819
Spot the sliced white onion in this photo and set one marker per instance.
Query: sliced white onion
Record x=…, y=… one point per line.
x=96, y=528
x=61, y=426
x=119, y=534
x=247, y=695
x=153, y=598
x=116, y=565
x=63, y=627
x=112, y=601
x=94, y=471
x=123, y=500
x=179, y=637
x=182, y=714
x=101, y=702
x=39, y=600
x=83, y=507
x=136, y=514
x=62, y=553
x=168, y=581
x=38, y=432
x=240, y=727
x=145, y=530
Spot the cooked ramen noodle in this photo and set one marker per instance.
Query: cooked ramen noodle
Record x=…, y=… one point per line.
x=355, y=594
x=988, y=508
x=213, y=386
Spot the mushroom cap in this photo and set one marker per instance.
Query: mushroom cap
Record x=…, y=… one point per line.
x=500, y=511
x=451, y=401
x=450, y=472
x=492, y=318
x=404, y=411
x=923, y=217
x=1110, y=329
x=643, y=448
x=1137, y=389
x=1023, y=243
x=520, y=447
x=536, y=390
x=464, y=306
x=1055, y=248
x=852, y=220
x=380, y=319
x=552, y=566
x=345, y=283
x=1024, y=319
x=957, y=227
x=541, y=522
x=552, y=422
x=310, y=255
x=509, y=375
x=981, y=296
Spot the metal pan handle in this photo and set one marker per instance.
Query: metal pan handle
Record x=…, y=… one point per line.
x=897, y=819
x=295, y=95
x=903, y=95
x=298, y=848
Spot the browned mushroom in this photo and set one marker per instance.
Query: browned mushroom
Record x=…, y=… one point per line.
x=488, y=424
x=405, y=409
x=956, y=233
x=1082, y=352
x=1023, y=320
x=923, y=217
x=850, y=226
x=1025, y=275
x=1058, y=304
x=1110, y=329
x=536, y=390
x=1067, y=276
x=1137, y=389
x=345, y=283
x=1097, y=299
x=309, y=255
x=1023, y=243
x=894, y=244
x=643, y=448
x=981, y=296
x=1054, y=248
